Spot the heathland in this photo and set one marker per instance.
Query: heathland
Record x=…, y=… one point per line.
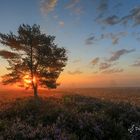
x=71, y=114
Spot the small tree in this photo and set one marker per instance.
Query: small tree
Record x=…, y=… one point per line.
x=34, y=59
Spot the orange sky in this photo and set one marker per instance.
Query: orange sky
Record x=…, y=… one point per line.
x=87, y=79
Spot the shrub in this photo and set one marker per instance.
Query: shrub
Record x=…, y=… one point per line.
x=69, y=118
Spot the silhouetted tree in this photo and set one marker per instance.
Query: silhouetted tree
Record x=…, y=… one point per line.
x=32, y=56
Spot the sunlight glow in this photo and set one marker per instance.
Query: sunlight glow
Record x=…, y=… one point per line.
x=27, y=81
x=34, y=79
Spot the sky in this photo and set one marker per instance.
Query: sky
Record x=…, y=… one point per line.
x=102, y=37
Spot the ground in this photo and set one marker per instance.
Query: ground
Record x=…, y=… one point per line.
x=130, y=95
x=71, y=114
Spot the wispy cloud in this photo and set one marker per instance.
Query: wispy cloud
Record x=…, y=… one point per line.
x=77, y=61
x=111, y=20
x=104, y=65
x=61, y=23
x=71, y=4
x=113, y=70
x=116, y=55
x=47, y=6
x=103, y=5
x=136, y=35
x=109, y=65
x=115, y=37
x=133, y=16
x=78, y=10
x=74, y=7
x=136, y=63
x=101, y=9
x=95, y=61
x=90, y=40
x=75, y=72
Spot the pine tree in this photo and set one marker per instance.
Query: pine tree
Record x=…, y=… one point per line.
x=32, y=56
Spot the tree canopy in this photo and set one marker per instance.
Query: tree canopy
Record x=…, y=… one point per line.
x=33, y=58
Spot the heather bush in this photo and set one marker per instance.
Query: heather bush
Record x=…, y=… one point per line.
x=69, y=118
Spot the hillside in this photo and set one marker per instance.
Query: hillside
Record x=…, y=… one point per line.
x=71, y=117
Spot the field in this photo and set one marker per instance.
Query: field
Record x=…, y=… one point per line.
x=129, y=95
x=71, y=114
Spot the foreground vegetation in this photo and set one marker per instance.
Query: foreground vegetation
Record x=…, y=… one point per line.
x=69, y=118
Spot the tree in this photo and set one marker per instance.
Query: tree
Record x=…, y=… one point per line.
x=33, y=57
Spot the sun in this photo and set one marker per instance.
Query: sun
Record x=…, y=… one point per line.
x=27, y=80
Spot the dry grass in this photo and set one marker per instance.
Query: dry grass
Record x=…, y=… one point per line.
x=130, y=95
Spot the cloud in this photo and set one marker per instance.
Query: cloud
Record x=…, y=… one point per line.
x=77, y=61
x=113, y=70
x=115, y=40
x=95, y=72
x=133, y=16
x=136, y=35
x=71, y=4
x=78, y=10
x=74, y=72
x=95, y=61
x=101, y=9
x=103, y=5
x=90, y=40
x=61, y=23
x=113, y=36
x=74, y=6
x=136, y=63
x=111, y=20
x=116, y=55
x=104, y=65
x=47, y=6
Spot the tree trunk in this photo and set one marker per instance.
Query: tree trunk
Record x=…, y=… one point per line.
x=35, y=91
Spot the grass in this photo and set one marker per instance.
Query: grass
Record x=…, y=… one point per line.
x=128, y=95
x=71, y=117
